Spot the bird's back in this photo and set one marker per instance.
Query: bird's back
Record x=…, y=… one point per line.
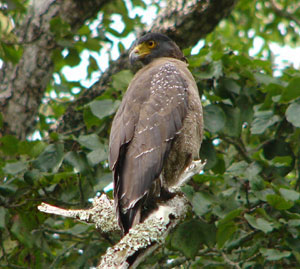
x=157, y=129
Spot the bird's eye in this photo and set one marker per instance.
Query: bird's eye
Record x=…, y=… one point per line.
x=151, y=44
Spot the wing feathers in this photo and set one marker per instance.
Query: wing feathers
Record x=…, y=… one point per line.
x=144, y=130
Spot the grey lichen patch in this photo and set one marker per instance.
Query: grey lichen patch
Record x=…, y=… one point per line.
x=103, y=214
x=151, y=232
x=142, y=238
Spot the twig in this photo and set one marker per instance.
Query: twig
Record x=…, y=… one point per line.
x=80, y=190
x=239, y=145
x=234, y=264
x=101, y=214
x=174, y=263
x=283, y=13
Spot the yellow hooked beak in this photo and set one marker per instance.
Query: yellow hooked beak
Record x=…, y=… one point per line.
x=139, y=52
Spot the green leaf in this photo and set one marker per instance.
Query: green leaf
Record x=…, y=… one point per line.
x=206, y=178
x=21, y=231
x=61, y=87
x=9, y=144
x=231, y=216
x=253, y=170
x=37, y=148
x=214, y=118
x=292, y=114
x=84, y=30
x=266, y=79
x=59, y=27
x=50, y=159
x=224, y=233
x=103, y=180
x=292, y=91
x=3, y=213
x=78, y=229
x=97, y=156
x=279, y=202
x=220, y=167
x=72, y=58
x=92, y=44
x=259, y=223
x=294, y=244
x=272, y=254
x=59, y=177
x=263, y=120
x=189, y=242
x=1, y=120
x=7, y=190
x=103, y=108
x=276, y=149
x=282, y=161
x=15, y=168
x=237, y=169
x=211, y=70
x=78, y=161
x=289, y=195
x=294, y=222
x=201, y=203
x=209, y=233
x=93, y=66
x=232, y=86
x=11, y=53
x=90, y=119
x=188, y=191
x=31, y=176
x=121, y=80
x=233, y=123
x=208, y=153
x=90, y=141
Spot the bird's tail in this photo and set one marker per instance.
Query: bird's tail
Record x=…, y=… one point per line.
x=130, y=218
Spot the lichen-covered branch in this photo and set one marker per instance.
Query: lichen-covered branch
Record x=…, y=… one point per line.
x=143, y=238
x=149, y=234
x=101, y=213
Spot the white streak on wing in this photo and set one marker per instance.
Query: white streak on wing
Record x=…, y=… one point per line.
x=169, y=139
x=132, y=204
x=145, y=129
x=145, y=152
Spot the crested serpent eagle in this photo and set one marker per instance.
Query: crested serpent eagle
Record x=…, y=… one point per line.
x=157, y=130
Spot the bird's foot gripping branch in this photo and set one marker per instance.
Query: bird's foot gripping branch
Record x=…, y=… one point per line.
x=143, y=238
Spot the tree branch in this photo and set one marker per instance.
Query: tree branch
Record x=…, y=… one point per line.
x=230, y=262
x=143, y=238
x=285, y=13
x=101, y=213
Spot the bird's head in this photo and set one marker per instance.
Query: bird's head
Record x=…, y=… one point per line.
x=152, y=46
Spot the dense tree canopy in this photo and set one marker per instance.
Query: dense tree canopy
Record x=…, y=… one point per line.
x=245, y=205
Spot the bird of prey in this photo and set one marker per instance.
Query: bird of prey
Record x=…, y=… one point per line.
x=157, y=130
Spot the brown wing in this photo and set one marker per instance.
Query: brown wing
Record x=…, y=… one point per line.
x=150, y=116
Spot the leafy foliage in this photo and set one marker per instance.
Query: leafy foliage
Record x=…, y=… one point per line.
x=245, y=206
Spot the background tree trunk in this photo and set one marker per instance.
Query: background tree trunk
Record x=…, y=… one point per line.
x=24, y=84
